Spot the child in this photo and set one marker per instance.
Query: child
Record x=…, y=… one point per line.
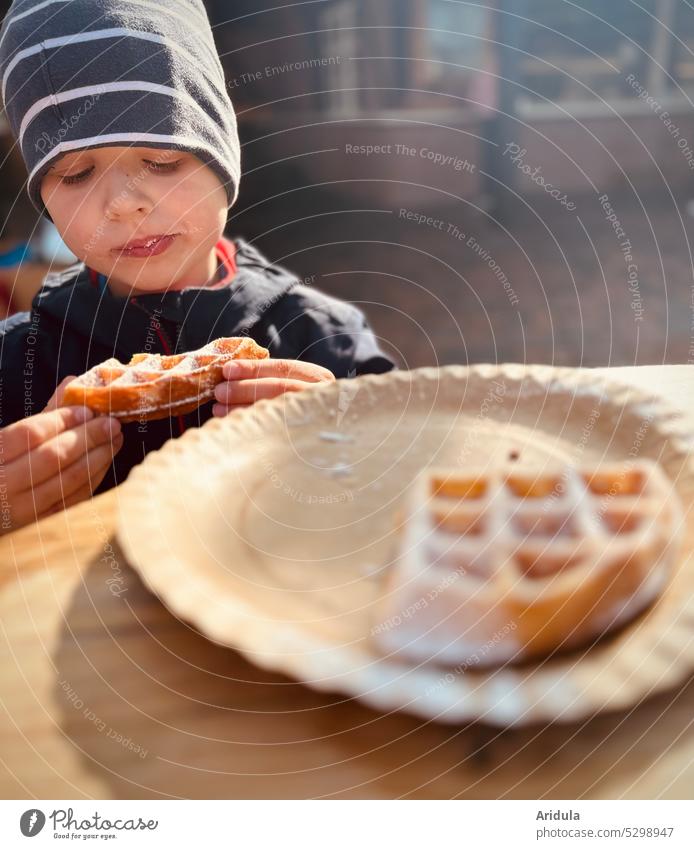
x=131, y=146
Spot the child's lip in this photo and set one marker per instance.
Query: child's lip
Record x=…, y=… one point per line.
x=141, y=243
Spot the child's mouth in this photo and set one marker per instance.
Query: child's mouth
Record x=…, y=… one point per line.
x=153, y=247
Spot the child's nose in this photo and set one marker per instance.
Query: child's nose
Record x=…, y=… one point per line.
x=124, y=196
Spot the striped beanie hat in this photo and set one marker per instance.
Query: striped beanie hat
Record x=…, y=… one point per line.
x=81, y=74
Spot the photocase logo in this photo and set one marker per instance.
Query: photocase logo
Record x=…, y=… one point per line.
x=31, y=822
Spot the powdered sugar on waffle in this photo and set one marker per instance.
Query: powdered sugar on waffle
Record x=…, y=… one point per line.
x=156, y=383
x=551, y=558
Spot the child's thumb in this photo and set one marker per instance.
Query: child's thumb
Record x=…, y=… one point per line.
x=56, y=398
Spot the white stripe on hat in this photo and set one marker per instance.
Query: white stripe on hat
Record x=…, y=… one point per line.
x=106, y=88
x=203, y=29
x=92, y=35
x=37, y=8
x=188, y=106
x=187, y=142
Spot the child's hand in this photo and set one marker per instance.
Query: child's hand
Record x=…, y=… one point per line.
x=52, y=460
x=248, y=381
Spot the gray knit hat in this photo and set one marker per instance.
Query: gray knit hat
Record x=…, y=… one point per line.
x=81, y=74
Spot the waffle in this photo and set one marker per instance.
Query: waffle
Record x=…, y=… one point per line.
x=153, y=386
x=510, y=564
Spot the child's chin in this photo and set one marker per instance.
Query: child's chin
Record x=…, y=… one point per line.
x=146, y=276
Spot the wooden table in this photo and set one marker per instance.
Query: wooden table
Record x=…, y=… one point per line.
x=107, y=695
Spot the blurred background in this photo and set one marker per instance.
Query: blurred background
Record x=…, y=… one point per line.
x=488, y=181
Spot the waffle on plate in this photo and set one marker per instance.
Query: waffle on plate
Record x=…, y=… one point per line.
x=512, y=563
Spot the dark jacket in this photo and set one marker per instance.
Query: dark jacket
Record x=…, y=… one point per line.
x=72, y=327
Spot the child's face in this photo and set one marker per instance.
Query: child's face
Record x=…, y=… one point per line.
x=127, y=194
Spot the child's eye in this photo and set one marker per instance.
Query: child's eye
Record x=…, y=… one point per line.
x=163, y=166
x=77, y=178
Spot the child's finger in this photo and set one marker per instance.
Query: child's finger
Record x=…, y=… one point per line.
x=69, y=501
x=88, y=472
x=250, y=391
x=52, y=456
x=288, y=369
x=96, y=475
x=23, y=436
x=56, y=398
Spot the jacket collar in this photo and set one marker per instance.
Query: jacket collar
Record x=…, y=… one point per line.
x=121, y=323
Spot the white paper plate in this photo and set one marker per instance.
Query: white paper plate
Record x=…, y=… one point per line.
x=270, y=531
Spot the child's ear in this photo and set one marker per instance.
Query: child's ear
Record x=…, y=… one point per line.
x=44, y=193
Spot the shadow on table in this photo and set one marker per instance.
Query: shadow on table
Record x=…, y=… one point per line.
x=158, y=711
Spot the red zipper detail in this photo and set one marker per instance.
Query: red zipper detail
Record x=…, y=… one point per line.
x=226, y=252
